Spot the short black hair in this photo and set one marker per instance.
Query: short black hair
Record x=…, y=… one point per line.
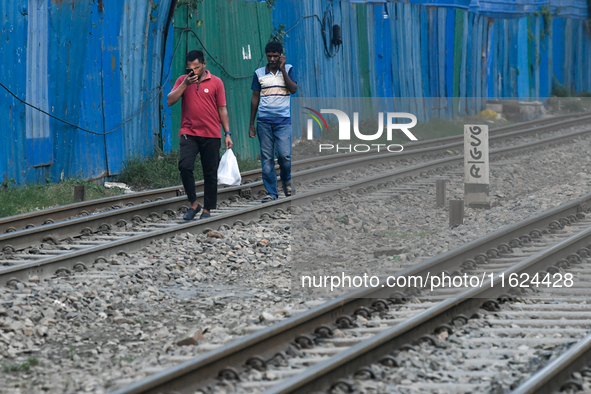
x=195, y=55
x=274, y=46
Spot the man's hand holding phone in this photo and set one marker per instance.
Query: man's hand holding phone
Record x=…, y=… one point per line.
x=191, y=77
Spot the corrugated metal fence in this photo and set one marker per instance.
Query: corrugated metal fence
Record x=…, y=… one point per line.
x=447, y=48
x=94, y=64
x=413, y=50
x=233, y=35
x=99, y=65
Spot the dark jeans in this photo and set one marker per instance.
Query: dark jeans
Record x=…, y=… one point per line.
x=210, y=158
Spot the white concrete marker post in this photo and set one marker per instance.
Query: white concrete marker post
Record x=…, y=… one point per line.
x=476, y=169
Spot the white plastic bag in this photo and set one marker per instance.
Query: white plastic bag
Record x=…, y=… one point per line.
x=228, y=171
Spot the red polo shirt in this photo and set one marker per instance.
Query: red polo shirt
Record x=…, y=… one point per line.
x=199, y=110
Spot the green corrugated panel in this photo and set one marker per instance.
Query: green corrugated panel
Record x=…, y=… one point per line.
x=363, y=46
x=234, y=33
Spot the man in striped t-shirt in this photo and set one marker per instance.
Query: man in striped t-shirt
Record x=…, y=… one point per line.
x=272, y=87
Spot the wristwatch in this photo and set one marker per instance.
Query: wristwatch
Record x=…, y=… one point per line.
x=227, y=133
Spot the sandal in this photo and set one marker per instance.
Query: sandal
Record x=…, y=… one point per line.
x=269, y=197
x=288, y=189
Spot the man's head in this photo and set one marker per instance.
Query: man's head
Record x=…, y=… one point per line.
x=196, y=61
x=274, y=50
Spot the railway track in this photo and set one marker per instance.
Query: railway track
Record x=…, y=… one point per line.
x=319, y=348
x=157, y=196
x=524, y=329
x=385, y=181
x=78, y=243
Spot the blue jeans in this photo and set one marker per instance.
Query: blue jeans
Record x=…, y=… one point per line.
x=275, y=138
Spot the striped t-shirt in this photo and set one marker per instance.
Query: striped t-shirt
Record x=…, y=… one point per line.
x=274, y=104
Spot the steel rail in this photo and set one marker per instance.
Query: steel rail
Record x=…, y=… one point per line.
x=321, y=376
x=75, y=260
x=71, y=260
x=23, y=238
x=554, y=376
x=196, y=373
x=65, y=212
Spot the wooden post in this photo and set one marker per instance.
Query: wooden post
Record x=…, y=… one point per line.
x=440, y=193
x=456, y=212
x=79, y=193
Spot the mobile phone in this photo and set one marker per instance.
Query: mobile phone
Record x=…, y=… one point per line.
x=189, y=71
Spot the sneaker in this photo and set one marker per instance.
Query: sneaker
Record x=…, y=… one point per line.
x=190, y=214
x=204, y=215
x=288, y=189
x=269, y=197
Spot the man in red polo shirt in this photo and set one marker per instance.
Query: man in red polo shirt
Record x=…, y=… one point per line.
x=203, y=109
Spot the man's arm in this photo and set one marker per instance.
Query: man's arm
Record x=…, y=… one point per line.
x=291, y=86
x=223, y=112
x=254, y=106
x=174, y=96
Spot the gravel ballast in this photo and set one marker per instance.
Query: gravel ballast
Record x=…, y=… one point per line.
x=135, y=315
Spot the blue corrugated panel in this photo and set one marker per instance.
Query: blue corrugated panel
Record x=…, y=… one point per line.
x=68, y=89
x=586, y=68
x=491, y=62
x=507, y=8
x=417, y=63
x=478, y=46
x=324, y=77
x=449, y=58
x=463, y=104
x=383, y=52
x=113, y=93
x=510, y=77
x=13, y=74
x=38, y=135
x=166, y=130
x=441, y=36
x=464, y=4
x=570, y=8
x=581, y=54
x=497, y=57
x=481, y=77
x=558, y=50
x=397, y=51
x=505, y=50
x=534, y=59
x=138, y=57
x=522, y=60
x=424, y=18
x=136, y=63
x=92, y=64
x=103, y=66
x=568, y=53
x=545, y=66
x=88, y=155
x=433, y=60
x=577, y=53
x=504, y=8
x=156, y=50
